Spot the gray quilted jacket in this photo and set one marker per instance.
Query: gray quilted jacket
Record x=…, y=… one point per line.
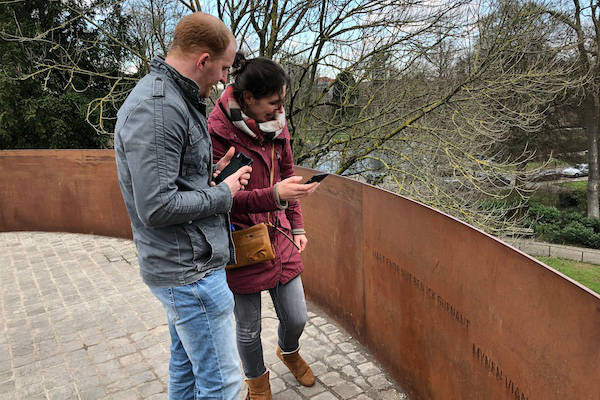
x=164, y=162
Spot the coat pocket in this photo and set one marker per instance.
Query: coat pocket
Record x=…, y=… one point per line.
x=197, y=154
x=201, y=247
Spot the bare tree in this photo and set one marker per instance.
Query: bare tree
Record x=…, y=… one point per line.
x=416, y=96
x=582, y=25
x=425, y=93
x=153, y=24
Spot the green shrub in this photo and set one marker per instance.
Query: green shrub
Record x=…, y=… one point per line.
x=567, y=217
x=594, y=223
x=576, y=233
x=574, y=199
x=549, y=232
x=565, y=227
x=542, y=214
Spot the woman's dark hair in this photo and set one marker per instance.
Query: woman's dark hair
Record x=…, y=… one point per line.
x=260, y=76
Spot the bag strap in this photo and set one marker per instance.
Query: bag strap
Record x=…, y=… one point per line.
x=272, y=172
x=271, y=175
x=223, y=109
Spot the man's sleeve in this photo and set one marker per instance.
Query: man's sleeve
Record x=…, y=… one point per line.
x=153, y=138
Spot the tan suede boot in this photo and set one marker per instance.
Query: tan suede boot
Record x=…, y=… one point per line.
x=259, y=388
x=297, y=366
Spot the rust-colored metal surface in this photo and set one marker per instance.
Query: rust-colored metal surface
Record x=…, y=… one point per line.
x=334, y=273
x=451, y=312
x=61, y=190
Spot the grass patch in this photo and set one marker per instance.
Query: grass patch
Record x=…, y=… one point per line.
x=577, y=185
x=552, y=163
x=584, y=273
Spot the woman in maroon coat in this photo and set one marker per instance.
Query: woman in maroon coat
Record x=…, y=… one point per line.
x=250, y=117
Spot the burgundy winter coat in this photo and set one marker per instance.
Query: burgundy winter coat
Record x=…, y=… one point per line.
x=251, y=206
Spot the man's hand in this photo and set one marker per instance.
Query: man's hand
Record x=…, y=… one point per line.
x=300, y=241
x=224, y=161
x=292, y=189
x=238, y=180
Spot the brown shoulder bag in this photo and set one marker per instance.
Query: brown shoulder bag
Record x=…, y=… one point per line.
x=252, y=244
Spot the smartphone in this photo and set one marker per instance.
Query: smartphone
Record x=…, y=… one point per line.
x=316, y=178
x=237, y=162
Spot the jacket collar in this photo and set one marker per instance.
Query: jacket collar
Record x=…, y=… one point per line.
x=189, y=88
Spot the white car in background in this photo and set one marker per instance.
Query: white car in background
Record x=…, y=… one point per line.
x=576, y=171
x=584, y=168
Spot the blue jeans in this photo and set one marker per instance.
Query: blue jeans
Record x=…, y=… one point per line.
x=204, y=363
x=290, y=306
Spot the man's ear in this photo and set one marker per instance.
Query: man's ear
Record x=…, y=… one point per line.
x=201, y=60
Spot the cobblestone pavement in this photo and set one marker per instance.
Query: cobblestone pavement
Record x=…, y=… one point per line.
x=77, y=322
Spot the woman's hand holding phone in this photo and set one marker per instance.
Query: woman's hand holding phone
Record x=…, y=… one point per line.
x=292, y=188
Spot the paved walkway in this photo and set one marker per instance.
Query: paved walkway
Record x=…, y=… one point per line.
x=536, y=248
x=76, y=322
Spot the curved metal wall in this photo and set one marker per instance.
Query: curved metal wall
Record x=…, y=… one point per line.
x=61, y=190
x=450, y=311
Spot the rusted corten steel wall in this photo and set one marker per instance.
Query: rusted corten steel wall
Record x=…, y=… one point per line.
x=451, y=312
x=61, y=190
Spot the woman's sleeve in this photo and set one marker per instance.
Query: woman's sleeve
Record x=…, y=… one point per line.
x=245, y=201
x=293, y=211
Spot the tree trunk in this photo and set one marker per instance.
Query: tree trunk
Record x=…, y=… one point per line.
x=590, y=121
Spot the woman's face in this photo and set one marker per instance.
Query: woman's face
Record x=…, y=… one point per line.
x=264, y=109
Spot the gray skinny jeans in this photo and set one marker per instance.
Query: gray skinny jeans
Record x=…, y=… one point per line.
x=290, y=307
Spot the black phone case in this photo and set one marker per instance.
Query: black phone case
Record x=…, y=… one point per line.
x=237, y=162
x=316, y=178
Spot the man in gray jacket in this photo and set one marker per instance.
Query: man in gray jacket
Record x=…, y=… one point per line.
x=179, y=218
